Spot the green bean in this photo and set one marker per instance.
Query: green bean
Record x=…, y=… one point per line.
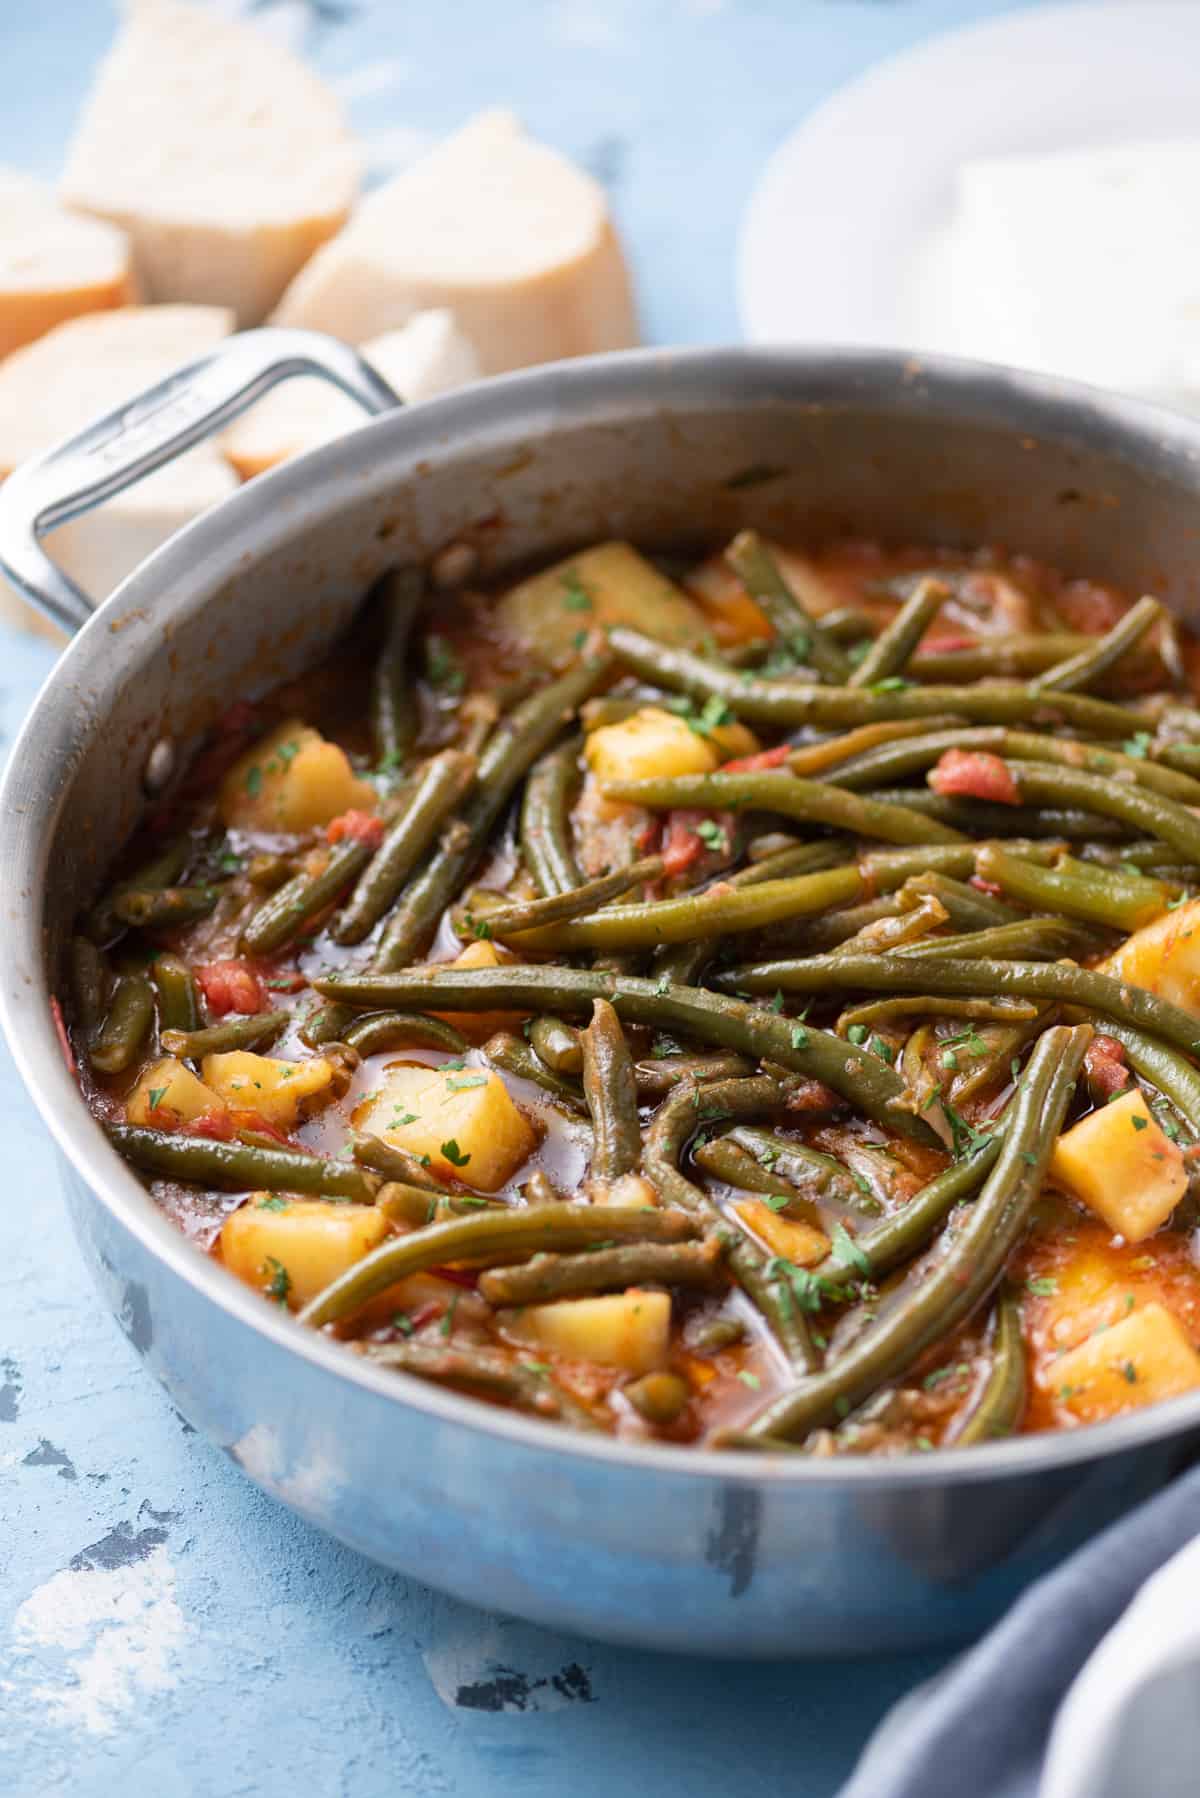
x=778, y=790
x=1027, y=939
x=1016, y=656
x=683, y=963
x=1115, y=999
x=117, y=1042
x=658, y=1397
x=90, y=983
x=476, y=1368
x=763, y=579
x=865, y=1080
x=718, y=911
x=787, y=702
x=675, y=1121
x=178, y=1000
x=610, y=1088
x=979, y=818
x=382, y=1030
x=946, y=1289
x=282, y=917
x=103, y=923
x=520, y=739
x=832, y=752
x=1000, y=1406
x=164, y=908
x=657, y=1078
x=415, y=1206
x=1084, y=668
x=610, y=708
x=269, y=872
x=809, y=1170
x=605, y=1270
x=887, y=869
x=934, y=1005
x=394, y=715
x=557, y=1044
x=438, y=789
x=729, y=1162
x=516, y=1057
x=399, y=1167
x=966, y=907
x=1162, y=1068
x=252, y=1032
x=478, y=716
x=491, y=1236
x=827, y=930
x=533, y=914
x=891, y=651
x=238, y=1167
x=545, y=831
x=1137, y=807
x=540, y=1189
x=1078, y=890
x=895, y=932
x=327, y=1024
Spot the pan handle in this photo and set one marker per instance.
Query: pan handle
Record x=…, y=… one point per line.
x=130, y=443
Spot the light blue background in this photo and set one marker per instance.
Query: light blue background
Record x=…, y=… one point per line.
x=291, y=1663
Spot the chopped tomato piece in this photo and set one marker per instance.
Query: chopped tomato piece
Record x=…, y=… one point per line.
x=648, y=839
x=1104, y=1068
x=217, y=1125
x=1084, y=606
x=231, y=986
x=364, y=827
x=942, y=642
x=766, y=758
x=813, y=1095
x=974, y=774
x=254, y=1120
x=986, y=886
x=683, y=847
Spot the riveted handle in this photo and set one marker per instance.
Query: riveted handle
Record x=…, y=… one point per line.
x=149, y=431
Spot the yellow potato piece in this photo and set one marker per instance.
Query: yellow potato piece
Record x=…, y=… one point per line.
x=462, y=1118
x=476, y=1026
x=277, y=1090
x=657, y=745
x=292, y=780
x=630, y=1330
x=784, y=1236
x=1120, y=1163
x=606, y=585
x=168, y=1094
x=1163, y=957
x=1141, y=1360
x=292, y=1248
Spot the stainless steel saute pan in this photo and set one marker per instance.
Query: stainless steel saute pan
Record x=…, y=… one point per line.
x=698, y=1551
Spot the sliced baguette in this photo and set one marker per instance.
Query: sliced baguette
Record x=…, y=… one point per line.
x=75, y=374
x=54, y=265
x=223, y=157
x=502, y=230
x=427, y=356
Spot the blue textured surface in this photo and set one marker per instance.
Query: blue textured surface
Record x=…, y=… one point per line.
x=163, y=1627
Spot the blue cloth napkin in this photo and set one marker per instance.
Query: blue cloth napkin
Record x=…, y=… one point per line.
x=982, y=1727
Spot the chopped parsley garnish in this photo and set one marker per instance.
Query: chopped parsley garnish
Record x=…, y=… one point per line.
x=403, y=1322
x=712, y=836
x=857, y=1034
x=575, y=598
x=280, y=1282
x=846, y=1251
x=749, y=1379
x=454, y=1154
x=1043, y=1287
x=156, y=1095
x=254, y=781
x=1139, y=1123
x=465, y=1085
x=273, y=1203
x=799, y=1037
x=1138, y=744
x=447, y=1324
x=442, y=667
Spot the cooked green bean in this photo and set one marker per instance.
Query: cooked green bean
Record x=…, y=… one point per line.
x=892, y=650
x=545, y=817
x=394, y=714
x=808, y=1170
x=252, y=1032
x=269, y=872
x=605, y=1270
x=517, y=743
x=117, y=1042
x=894, y=932
x=238, y=1167
x=526, y=1384
x=728, y=1161
x=1151, y=814
x=826, y=930
x=658, y=1397
x=491, y=1236
x=1028, y=939
x=980, y=818
x=382, y=1030
x=767, y=586
x=1012, y=657
x=1077, y=889
x=557, y=1044
x=415, y=1206
x=516, y=1057
x=610, y=1088
x=540, y=1189
x=945, y=1290
x=439, y=788
x=887, y=869
x=1162, y=1068
x=966, y=907
x=533, y=914
x=164, y=908
x=869, y=1083
x=1000, y=1406
x=935, y=1005
x=103, y=922
x=398, y=1166
x=90, y=984
x=846, y=746
x=178, y=1000
x=777, y=790
x=282, y=917
x=1086, y=667
x=684, y=963
x=657, y=1078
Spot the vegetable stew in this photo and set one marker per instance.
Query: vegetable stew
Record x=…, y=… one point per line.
x=750, y=1002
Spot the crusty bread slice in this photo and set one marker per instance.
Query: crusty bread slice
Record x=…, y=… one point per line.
x=72, y=376
x=54, y=264
x=223, y=157
x=502, y=230
x=427, y=356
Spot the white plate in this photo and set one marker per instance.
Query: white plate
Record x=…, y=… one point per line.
x=841, y=236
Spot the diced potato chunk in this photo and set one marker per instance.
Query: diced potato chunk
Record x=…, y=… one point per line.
x=1119, y=1162
x=631, y=1191
x=609, y=584
x=169, y=1094
x=1163, y=957
x=784, y=1236
x=478, y=1025
x=1139, y=1361
x=630, y=1330
x=292, y=1248
x=655, y=744
x=732, y=614
x=462, y=1118
x=292, y=780
x=278, y=1090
